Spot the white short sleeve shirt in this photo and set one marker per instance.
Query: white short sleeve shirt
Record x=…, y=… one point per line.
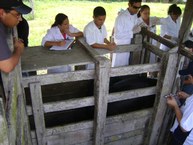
x=93, y=34
x=54, y=34
x=187, y=120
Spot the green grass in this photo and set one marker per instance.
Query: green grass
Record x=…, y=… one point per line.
x=79, y=13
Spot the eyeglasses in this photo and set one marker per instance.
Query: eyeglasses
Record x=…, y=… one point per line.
x=16, y=15
x=135, y=7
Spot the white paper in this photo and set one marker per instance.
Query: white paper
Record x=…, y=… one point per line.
x=65, y=47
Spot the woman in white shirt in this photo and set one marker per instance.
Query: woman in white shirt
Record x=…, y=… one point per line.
x=170, y=26
x=60, y=31
x=144, y=20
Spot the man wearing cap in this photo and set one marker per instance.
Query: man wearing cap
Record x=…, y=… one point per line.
x=10, y=15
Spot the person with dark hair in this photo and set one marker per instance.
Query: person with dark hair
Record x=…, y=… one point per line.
x=10, y=16
x=182, y=129
x=95, y=31
x=144, y=20
x=123, y=31
x=60, y=31
x=170, y=26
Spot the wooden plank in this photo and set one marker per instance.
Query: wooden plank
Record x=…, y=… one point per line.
x=123, y=136
x=34, y=58
x=136, y=140
x=100, y=52
x=37, y=105
x=166, y=80
x=101, y=90
x=186, y=21
x=71, y=138
x=131, y=94
x=153, y=49
x=59, y=78
x=3, y=123
x=131, y=124
x=134, y=69
x=186, y=52
x=65, y=105
x=89, y=101
x=158, y=38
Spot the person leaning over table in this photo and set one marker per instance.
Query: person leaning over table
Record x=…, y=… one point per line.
x=95, y=31
x=60, y=31
x=123, y=31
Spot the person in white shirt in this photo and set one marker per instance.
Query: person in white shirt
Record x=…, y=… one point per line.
x=57, y=35
x=95, y=31
x=144, y=20
x=123, y=31
x=170, y=26
x=60, y=31
x=183, y=125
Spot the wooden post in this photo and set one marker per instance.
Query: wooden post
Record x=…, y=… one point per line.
x=186, y=21
x=17, y=119
x=3, y=123
x=136, y=55
x=37, y=106
x=166, y=80
x=101, y=91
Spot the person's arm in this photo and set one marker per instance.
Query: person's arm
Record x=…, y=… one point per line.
x=73, y=32
x=77, y=34
x=107, y=45
x=9, y=64
x=54, y=43
x=173, y=104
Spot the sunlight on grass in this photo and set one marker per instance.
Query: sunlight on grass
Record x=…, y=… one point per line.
x=79, y=13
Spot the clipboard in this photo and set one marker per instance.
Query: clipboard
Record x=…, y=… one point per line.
x=67, y=46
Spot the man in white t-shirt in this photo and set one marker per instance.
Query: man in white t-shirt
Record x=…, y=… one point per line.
x=123, y=31
x=95, y=32
x=183, y=125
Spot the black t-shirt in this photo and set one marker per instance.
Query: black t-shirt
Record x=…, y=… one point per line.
x=5, y=52
x=23, y=31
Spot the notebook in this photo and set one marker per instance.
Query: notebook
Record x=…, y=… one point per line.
x=65, y=47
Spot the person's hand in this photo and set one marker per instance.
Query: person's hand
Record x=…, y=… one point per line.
x=171, y=101
x=61, y=43
x=136, y=29
x=182, y=95
x=111, y=46
x=18, y=45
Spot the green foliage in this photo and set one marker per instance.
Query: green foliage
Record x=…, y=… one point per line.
x=79, y=13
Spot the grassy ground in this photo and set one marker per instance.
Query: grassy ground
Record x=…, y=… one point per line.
x=79, y=13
